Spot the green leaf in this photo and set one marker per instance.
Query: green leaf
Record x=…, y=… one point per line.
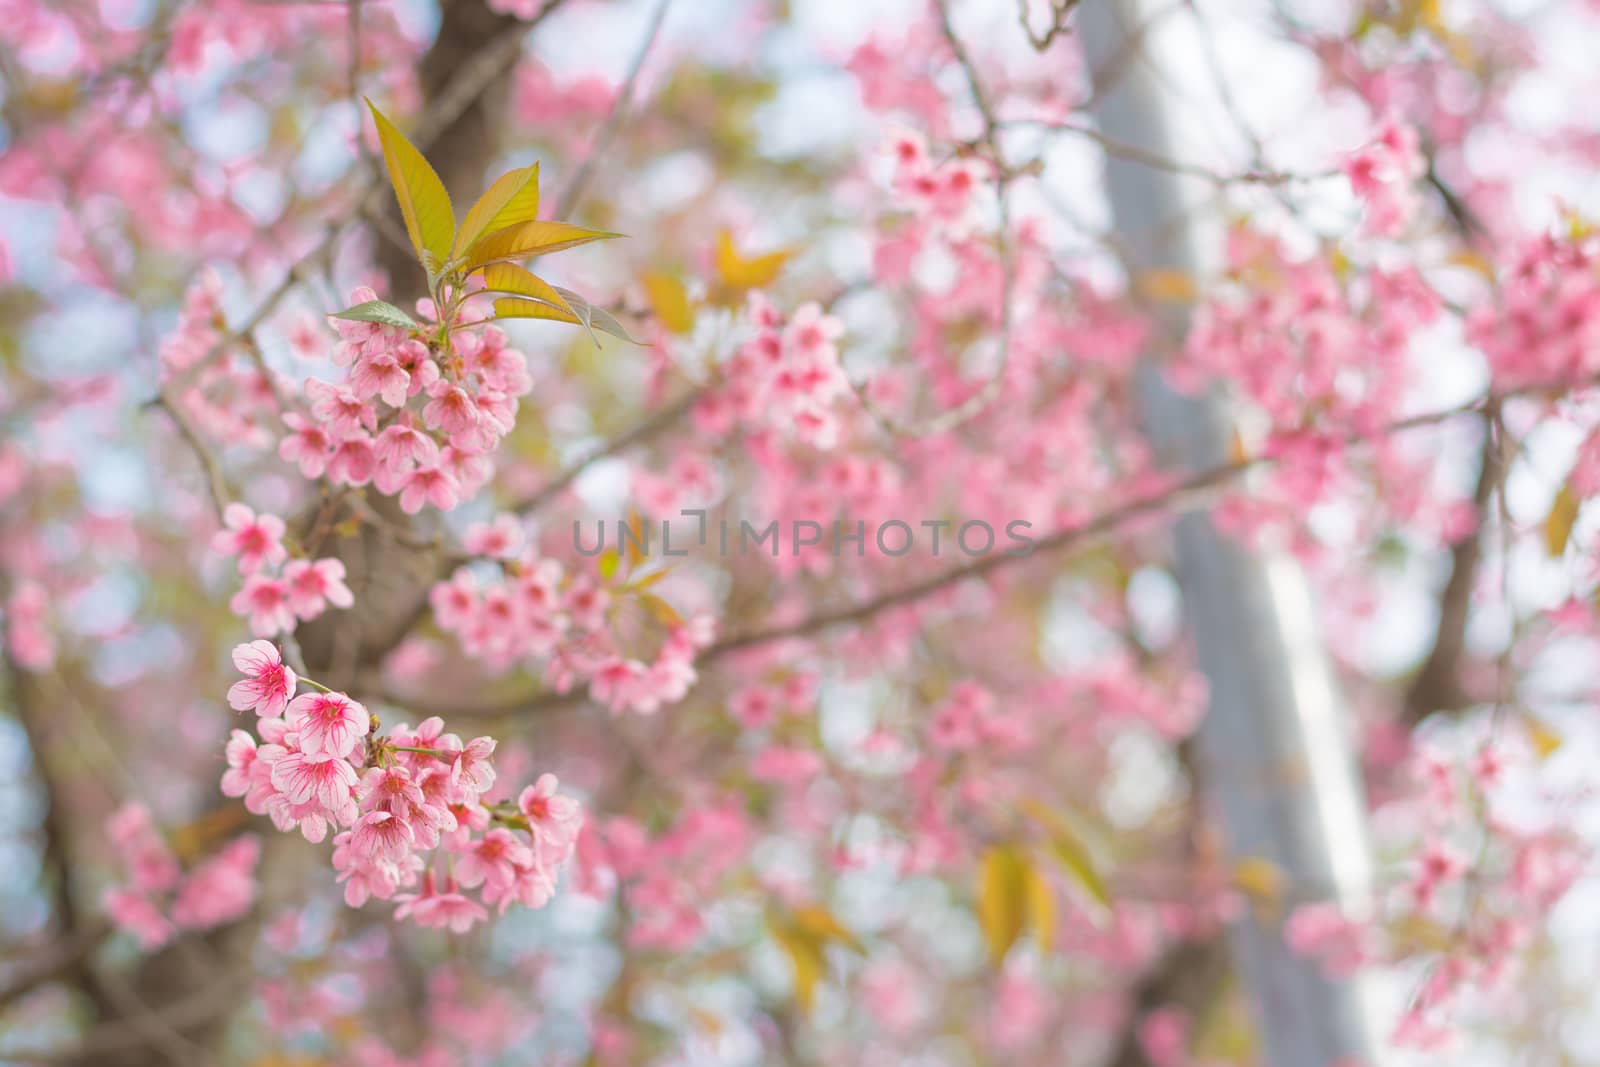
x=379, y=311
x=519, y=281
x=529, y=239
x=1002, y=887
x=512, y=199
x=596, y=317
x=424, y=203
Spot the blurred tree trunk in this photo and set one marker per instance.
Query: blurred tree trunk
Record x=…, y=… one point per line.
x=388, y=576
x=1272, y=751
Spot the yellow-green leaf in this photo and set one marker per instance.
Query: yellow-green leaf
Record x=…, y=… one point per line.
x=740, y=273
x=1002, y=898
x=514, y=307
x=1040, y=901
x=1072, y=853
x=512, y=199
x=1075, y=860
x=510, y=278
x=528, y=239
x=609, y=561
x=665, y=613
x=1558, y=524
x=670, y=301
x=424, y=203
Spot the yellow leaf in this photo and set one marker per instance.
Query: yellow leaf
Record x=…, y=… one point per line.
x=1041, y=907
x=1166, y=285
x=741, y=273
x=1477, y=262
x=518, y=308
x=642, y=582
x=511, y=200
x=528, y=239
x=1237, y=452
x=805, y=955
x=670, y=302
x=1259, y=879
x=638, y=536
x=1002, y=890
x=705, y=1021
x=510, y=278
x=1558, y=524
x=1544, y=740
x=424, y=203
x=821, y=924
x=665, y=613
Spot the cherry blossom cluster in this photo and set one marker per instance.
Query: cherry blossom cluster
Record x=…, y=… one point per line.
x=1281, y=331
x=536, y=609
x=1545, y=327
x=408, y=418
x=28, y=636
x=227, y=397
x=665, y=876
x=158, y=898
x=409, y=811
x=784, y=375
x=939, y=194
x=1469, y=901
x=278, y=592
x=1384, y=173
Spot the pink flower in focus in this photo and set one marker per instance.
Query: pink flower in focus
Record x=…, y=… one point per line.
x=550, y=815
x=329, y=724
x=329, y=781
x=268, y=682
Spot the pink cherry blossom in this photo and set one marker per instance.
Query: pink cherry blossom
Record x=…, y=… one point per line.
x=330, y=725
x=314, y=584
x=256, y=540
x=268, y=682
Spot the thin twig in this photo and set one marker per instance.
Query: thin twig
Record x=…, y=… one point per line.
x=657, y=422
x=215, y=482
x=573, y=190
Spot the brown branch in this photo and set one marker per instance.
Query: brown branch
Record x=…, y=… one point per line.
x=215, y=482
x=60, y=959
x=1192, y=491
x=1437, y=685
